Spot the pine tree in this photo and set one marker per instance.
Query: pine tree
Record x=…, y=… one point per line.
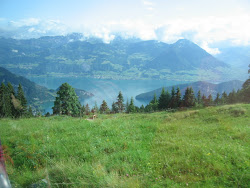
x=162, y=104
x=2, y=101
x=104, y=107
x=191, y=97
x=210, y=99
x=142, y=108
x=126, y=106
x=224, y=98
x=199, y=97
x=114, y=108
x=131, y=107
x=87, y=109
x=154, y=103
x=172, y=100
x=9, y=107
x=204, y=100
x=232, y=98
x=82, y=111
x=22, y=99
x=186, y=98
x=178, y=98
x=120, y=101
x=66, y=102
x=96, y=109
x=217, y=99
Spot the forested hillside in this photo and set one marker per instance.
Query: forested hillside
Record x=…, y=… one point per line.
x=120, y=59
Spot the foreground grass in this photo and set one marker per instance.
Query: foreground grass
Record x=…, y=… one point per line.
x=206, y=147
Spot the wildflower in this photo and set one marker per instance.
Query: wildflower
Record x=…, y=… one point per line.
x=209, y=154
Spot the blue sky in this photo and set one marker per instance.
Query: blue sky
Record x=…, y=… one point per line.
x=205, y=22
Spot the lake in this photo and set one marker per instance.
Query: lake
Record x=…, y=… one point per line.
x=104, y=89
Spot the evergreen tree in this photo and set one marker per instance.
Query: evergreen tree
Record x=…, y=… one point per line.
x=131, y=107
x=96, y=109
x=204, y=100
x=224, y=98
x=119, y=102
x=82, y=111
x=9, y=107
x=162, y=100
x=66, y=102
x=104, y=107
x=87, y=109
x=210, y=99
x=172, y=100
x=154, y=103
x=2, y=100
x=126, y=106
x=199, y=97
x=232, y=98
x=217, y=99
x=178, y=98
x=22, y=99
x=114, y=108
x=186, y=98
x=142, y=108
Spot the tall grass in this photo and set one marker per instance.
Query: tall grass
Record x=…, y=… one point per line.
x=207, y=147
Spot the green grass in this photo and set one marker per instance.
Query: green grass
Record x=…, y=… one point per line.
x=198, y=148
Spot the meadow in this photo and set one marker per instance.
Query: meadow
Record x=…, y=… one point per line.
x=206, y=147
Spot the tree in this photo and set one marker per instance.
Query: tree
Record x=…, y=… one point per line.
x=142, y=108
x=2, y=100
x=172, y=100
x=178, y=97
x=114, y=108
x=104, y=107
x=199, y=97
x=131, y=107
x=189, y=98
x=22, y=99
x=210, y=99
x=87, y=109
x=126, y=106
x=119, y=102
x=66, y=102
x=217, y=99
x=154, y=103
x=163, y=103
x=232, y=98
x=224, y=98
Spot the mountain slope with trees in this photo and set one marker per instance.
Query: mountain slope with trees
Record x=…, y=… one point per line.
x=34, y=93
x=205, y=88
x=120, y=59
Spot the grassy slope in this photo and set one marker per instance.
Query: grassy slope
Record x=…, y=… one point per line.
x=207, y=147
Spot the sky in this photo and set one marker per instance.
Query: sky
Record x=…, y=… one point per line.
x=208, y=23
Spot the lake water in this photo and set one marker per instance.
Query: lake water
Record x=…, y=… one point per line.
x=104, y=89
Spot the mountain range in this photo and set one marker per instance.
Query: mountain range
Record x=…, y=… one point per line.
x=120, y=59
x=205, y=88
x=35, y=94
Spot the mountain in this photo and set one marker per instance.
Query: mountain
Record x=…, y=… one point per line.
x=205, y=88
x=120, y=59
x=185, y=55
x=34, y=93
x=238, y=57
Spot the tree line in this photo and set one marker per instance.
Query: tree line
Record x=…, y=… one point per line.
x=67, y=102
x=12, y=104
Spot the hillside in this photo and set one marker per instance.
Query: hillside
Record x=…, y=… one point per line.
x=33, y=92
x=197, y=148
x=205, y=88
x=120, y=59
